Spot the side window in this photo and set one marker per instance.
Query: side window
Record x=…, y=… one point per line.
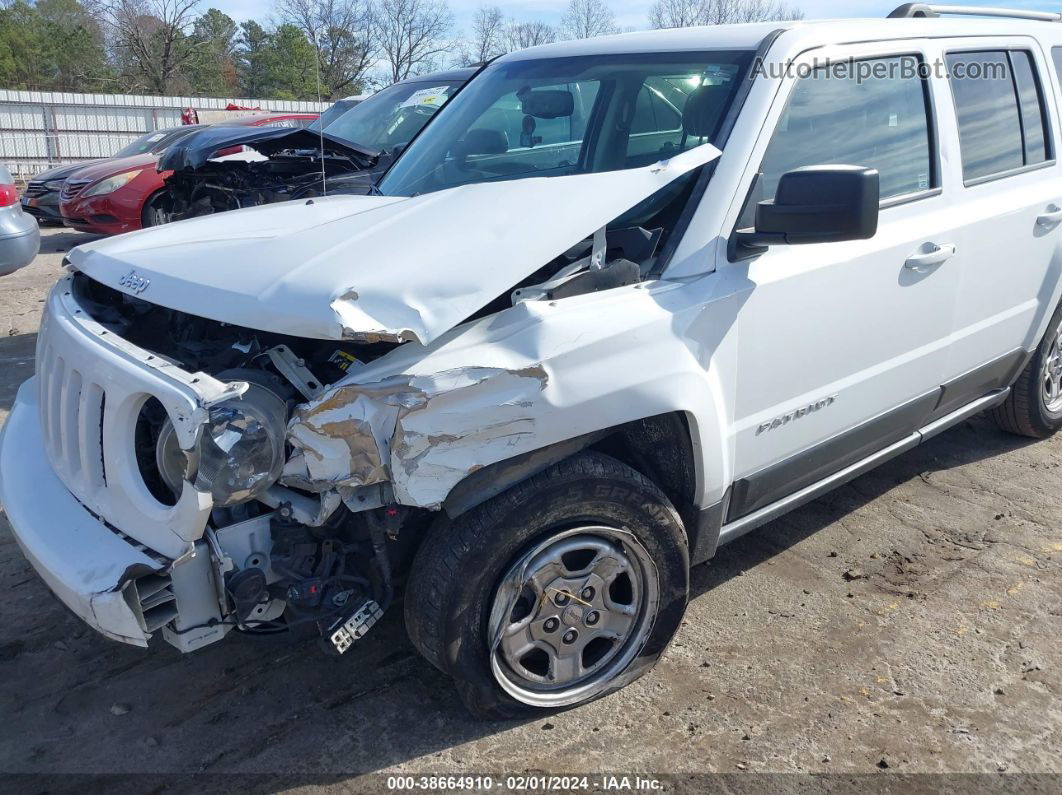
x=999, y=106
x=644, y=120
x=656, y=126
x=871, y=113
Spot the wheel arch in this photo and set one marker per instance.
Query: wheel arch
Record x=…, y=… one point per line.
x=665, y=448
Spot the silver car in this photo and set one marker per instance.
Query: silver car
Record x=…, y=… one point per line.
x=20, y=236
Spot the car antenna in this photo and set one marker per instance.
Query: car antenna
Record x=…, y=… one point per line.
x=320, y=124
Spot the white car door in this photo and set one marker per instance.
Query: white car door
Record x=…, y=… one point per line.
x=842, y=346
x=999, y=116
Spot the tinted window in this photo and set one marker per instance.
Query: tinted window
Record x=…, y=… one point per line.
x=998, y=103
x=871, y=113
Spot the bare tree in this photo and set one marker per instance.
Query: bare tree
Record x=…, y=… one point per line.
x=412, y=34
x=585, y=19
x=686, y=13
x=342, y=32
x=757, y=11
x=676, y=13
x=151, y=38
x=520, y=35
x=489, y=41
x=488, y=34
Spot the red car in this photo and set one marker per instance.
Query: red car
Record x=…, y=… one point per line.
x=117, y=195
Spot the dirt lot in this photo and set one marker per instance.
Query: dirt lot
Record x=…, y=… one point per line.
x=912, y=619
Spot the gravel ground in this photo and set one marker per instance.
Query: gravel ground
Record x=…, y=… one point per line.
x=910, y=622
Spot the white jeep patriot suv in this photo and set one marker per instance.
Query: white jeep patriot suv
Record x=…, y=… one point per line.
x=621, y=301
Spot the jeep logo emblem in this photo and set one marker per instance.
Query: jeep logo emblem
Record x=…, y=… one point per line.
x=134, y=282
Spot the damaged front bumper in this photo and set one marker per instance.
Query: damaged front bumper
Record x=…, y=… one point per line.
x=90, y=567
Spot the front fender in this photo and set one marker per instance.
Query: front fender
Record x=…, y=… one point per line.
x=530, y=377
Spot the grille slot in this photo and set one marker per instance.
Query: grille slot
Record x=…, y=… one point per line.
x=71, y=418
x=72, y=187
x=155, y=601
x=35, y=189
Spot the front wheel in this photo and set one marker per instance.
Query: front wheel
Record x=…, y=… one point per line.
x=157, y=211
x=565, y=588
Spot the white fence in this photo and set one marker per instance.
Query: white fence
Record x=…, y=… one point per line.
x=41, y=129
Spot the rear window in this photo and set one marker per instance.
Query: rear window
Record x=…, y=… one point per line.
x=1056, y=56
x=999, y=105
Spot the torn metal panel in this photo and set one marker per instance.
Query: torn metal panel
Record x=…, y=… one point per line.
x=343, y=437
x=465, y=428
x=357, y=435
x=374, y=268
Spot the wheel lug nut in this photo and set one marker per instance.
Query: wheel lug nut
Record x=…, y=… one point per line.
x=592, y=618
x=570, y=636
x=551, y=625
x=561, y=599
x=588, y=593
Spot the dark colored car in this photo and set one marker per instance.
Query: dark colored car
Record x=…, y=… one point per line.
x=121, y=194
x=41, y=197
x=344, y=154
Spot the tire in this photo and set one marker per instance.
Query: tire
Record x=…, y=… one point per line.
x=1027, y=411
x=604, y=514
x=149, y=215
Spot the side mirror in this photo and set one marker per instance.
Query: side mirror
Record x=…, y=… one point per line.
x=818, y=204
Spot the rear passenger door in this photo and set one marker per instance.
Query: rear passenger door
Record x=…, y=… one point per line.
x=1001, y=125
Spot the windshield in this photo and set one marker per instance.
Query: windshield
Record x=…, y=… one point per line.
x=154, y=142
x=561, y=116
x=334, y=111
x=392, y=117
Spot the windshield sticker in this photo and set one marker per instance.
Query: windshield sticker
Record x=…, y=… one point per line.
x=430, y=97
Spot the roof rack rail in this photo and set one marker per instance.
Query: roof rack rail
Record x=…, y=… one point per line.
x=927, y=10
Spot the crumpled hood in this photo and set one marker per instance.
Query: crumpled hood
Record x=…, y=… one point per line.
x=371, y=267
x=194, y=150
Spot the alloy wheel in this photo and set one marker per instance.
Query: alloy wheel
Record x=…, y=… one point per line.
x=1052, y=375
x=571, y=615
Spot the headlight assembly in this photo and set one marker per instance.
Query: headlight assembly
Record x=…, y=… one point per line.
x=240, y=452
x=111, y=184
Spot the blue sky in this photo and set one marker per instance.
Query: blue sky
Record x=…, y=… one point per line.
x=633, y=13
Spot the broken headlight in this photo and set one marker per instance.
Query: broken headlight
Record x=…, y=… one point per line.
x=240, y=451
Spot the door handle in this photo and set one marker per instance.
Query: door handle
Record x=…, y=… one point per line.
x=1052, y=216
x=936, y=255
